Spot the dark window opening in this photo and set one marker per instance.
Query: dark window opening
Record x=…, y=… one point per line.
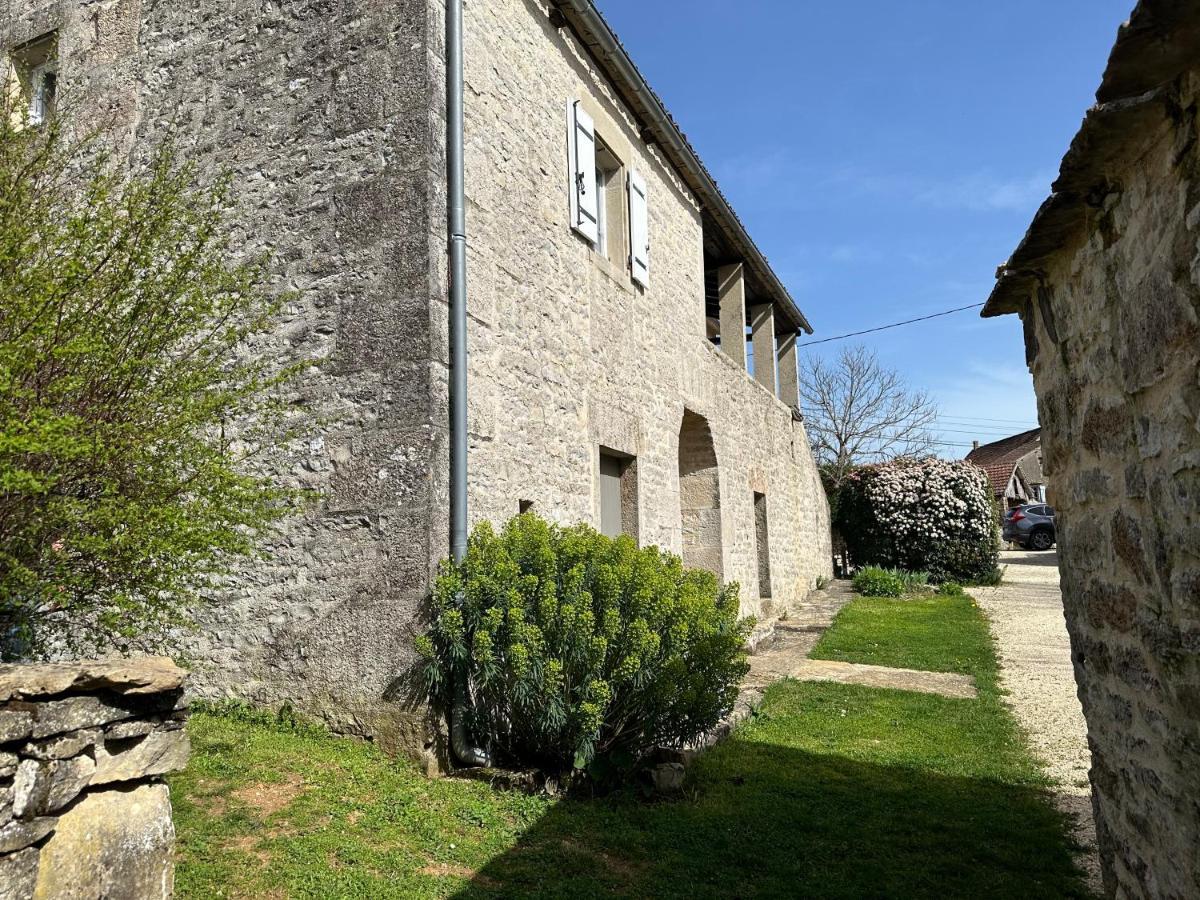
x=618, y=494
x=763, y=544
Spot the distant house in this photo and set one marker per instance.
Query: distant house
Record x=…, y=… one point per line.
x=1014, y=467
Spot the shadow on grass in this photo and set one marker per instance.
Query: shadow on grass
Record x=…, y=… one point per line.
x=769, y=821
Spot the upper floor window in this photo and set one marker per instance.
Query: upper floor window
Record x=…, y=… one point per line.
x=35, y=66
x=601, y=195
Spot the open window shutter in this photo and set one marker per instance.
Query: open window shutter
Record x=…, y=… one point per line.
x=639, y=229
x=585, y=202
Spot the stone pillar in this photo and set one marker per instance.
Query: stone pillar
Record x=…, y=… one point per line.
x=731, y=289
x=789, y=373
x=84, y=811
x=762, y=333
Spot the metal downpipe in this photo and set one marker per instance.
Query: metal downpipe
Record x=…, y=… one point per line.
x=460, y=745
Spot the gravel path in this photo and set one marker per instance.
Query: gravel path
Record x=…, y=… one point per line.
x=1035, y=653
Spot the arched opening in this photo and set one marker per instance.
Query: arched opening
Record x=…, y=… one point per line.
x=699, y=495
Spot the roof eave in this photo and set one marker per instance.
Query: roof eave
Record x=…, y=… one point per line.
x=1152, y=49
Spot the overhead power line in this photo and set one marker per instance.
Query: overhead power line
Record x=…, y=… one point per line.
x=842, y=337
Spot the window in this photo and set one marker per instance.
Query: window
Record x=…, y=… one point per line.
x=36, y=68
x=763, y=545
x=524, y=506
x=601, y=194
x=608, y=202
x=618, y=494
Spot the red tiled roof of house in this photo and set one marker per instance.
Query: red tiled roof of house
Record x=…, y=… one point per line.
x=1000, y=458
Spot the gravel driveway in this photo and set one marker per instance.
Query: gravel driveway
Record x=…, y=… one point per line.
x=1035, y=653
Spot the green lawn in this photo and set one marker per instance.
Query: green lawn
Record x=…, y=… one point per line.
x=831, y=791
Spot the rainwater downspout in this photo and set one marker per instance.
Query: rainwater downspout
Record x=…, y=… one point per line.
x=460, y=745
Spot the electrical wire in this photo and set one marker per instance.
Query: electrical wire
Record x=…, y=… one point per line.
x=842, y=337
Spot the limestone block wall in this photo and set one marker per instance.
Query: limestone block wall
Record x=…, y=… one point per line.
x=1113, y=338
x=84, y=811
x=328, y=115
x=568, y=355
x=319, y=112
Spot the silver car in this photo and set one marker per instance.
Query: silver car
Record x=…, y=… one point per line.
x=1031, y=526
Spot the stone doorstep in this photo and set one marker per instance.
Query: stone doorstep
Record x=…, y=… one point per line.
x=944, y=684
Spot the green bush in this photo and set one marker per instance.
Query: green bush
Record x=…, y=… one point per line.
x=580, y=649
x=137, y=401
x=931, y=515
x=874, y=581
x=950, y=589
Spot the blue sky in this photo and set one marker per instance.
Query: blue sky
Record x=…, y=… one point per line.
x=887, y=157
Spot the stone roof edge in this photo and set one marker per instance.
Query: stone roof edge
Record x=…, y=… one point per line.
x=1159, y=42
x=661, y=128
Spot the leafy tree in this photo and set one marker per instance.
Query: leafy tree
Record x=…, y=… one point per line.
x=132, y=405
x=858, y=412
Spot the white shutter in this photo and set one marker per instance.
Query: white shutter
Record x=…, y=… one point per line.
x=639, y=229
x=581, y=148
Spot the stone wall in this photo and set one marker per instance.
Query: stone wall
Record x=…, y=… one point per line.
x=568, y=355
x=83, y=808
x=329, y=117
x=1113, y=337
x=319, y=111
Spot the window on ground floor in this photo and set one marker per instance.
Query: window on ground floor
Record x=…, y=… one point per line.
x=763, y=544
x=618, y=494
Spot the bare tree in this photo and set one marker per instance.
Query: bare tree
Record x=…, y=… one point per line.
x=856, y=411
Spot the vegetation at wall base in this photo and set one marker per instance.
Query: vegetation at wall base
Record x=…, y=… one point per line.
x=873, y=581
x=848, y=791
x=582, y=652
x=132, y=403
x=927, y=515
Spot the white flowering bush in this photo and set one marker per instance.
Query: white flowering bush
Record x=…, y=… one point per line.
x=931, y=515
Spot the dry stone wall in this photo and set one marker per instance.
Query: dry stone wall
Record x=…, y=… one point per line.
x=1113, y=337
x=84, y=811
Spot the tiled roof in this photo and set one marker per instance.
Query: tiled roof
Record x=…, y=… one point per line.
x=1000, y=458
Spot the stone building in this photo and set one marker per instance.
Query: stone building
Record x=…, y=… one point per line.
x=1107, y=285
x=604, y=269
x=1014, y=468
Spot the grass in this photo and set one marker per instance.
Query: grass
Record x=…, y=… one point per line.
x=830, y=791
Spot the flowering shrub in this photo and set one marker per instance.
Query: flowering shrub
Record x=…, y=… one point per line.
x=932, y=515
x=581, y=648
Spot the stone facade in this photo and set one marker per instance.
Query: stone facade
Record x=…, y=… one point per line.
x=1107, y=284
x=83, y=809
x=329, y=114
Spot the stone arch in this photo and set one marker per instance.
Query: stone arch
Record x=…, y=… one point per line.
x=699, y=495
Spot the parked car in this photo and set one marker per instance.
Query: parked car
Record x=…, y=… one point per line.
x=1031, y=526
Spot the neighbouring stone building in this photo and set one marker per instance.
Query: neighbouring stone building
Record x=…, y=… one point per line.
x=1107, y=285
x=1014, y=468
x=604, y=269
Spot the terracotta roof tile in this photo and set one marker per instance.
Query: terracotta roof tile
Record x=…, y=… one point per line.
x=1000, y=458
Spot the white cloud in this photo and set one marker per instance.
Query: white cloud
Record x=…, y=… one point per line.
x=984, y=191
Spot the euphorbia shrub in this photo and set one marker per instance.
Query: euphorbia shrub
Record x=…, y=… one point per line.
x=931, y=515
x=581, y=648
